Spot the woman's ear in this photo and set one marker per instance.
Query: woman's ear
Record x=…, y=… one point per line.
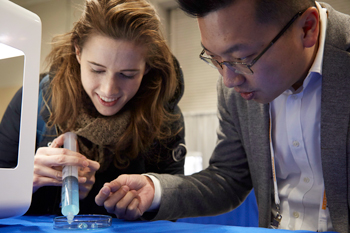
x=311, y=27
x=77, y=53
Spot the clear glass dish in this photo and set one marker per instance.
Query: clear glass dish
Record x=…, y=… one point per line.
x=83, y=222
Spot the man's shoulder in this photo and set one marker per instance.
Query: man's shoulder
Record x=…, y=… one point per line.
x=338, y=28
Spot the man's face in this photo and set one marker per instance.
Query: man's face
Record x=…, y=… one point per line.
x=233, y=34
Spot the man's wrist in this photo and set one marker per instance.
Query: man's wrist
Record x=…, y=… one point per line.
x=157, y=193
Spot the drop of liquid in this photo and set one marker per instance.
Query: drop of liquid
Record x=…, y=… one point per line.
x=82, y=225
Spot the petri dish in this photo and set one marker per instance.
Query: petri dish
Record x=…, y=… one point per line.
x=83, y=222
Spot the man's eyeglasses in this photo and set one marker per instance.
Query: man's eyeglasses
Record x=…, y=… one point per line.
x=242, y=67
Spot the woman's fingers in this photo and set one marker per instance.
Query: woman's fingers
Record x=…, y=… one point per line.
x=52, y=172
x=40, y=181
x=49, y=161
x=87, y=178
x=47, y=181
x=57, y=142
x=60, y=157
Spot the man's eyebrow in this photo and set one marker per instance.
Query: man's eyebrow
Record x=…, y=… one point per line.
x=230, y=50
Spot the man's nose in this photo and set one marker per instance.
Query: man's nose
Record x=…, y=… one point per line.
x=232, y=78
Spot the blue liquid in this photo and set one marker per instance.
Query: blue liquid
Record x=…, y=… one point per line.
x=70, y=196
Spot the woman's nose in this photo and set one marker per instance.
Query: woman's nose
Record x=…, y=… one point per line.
x=109, y=86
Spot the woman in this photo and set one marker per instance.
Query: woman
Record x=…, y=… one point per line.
x=113, y=82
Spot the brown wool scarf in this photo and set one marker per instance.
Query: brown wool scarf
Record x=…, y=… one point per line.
x=98, y=135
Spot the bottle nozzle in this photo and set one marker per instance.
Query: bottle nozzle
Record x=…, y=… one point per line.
x=70, y=217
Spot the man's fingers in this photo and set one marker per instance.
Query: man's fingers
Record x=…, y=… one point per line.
x=105, y=191
x=123, y=210
x=133, y=211
x=115, y=184
x=102, y=195
x=112, y=201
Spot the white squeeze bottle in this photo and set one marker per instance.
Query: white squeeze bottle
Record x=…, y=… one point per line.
x=70, y=186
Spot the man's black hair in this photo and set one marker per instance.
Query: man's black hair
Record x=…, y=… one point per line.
x=278, y=11
x=200, y=8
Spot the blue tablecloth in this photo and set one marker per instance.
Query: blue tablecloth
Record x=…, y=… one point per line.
x=246, y=215
x=45, y=224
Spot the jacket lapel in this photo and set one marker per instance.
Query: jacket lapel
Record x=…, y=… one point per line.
x=335, y=112
x=260, y=164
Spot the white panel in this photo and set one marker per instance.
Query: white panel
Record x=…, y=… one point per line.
x=200, y=133
x=200, y=79
x=21, y=29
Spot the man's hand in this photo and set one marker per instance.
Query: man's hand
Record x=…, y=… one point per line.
x=128, y=196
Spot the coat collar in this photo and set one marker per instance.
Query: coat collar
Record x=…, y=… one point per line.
x=335, y=112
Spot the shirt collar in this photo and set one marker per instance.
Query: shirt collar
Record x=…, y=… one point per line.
x=316, y=67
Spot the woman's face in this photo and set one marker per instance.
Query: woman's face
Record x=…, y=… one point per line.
x=111, y=72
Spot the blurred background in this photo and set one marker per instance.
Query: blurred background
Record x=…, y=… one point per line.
x=199, y=101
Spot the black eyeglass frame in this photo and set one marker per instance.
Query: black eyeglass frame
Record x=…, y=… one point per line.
x=230, y=64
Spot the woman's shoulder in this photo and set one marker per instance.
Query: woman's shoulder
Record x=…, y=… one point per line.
x=44, y=82
x=180, y=85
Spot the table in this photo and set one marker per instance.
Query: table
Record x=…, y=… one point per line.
x=45, y=224
x=245, y=215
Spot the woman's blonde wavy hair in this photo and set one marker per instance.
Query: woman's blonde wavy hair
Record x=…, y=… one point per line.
x=130, y=20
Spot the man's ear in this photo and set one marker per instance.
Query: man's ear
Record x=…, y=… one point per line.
x=310, y=21
x=77, y=53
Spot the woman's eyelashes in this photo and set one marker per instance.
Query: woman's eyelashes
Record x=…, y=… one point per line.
x=127, y=76
x=123, y=75
x=97, y=71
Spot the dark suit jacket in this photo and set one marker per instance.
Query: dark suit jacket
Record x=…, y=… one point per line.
x=241, y=159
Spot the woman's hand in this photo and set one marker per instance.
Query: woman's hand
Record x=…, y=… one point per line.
x=89, y=174
x=49, y=162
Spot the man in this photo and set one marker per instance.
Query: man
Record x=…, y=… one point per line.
x=291, y=143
